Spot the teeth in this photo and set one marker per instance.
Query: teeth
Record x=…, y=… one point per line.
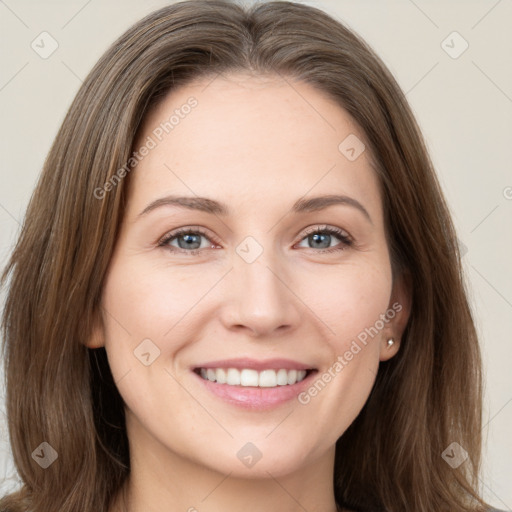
x=282, y=377
x=249, y=377
x=233, y=378
x=220, y=376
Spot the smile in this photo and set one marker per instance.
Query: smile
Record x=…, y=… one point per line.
x=268, y=378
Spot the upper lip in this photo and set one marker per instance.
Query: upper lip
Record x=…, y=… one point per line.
x=254, y=364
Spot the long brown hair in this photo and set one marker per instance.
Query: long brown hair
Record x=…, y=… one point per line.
x=60, y=392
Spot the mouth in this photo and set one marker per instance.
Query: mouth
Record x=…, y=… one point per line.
x=248, y=377
x=255, y=385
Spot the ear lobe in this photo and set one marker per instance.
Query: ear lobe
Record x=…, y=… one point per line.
x=400, y=303
x=387, y=351
x=401, y=298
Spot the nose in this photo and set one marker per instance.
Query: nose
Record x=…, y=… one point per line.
x=261, y=299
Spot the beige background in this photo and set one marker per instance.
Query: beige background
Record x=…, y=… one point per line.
x=463, y=104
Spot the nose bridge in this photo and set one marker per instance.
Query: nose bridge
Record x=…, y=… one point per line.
x=263, y=301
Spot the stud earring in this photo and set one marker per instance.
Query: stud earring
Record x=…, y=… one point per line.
x=390, y=342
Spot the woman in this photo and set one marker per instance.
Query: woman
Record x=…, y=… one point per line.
x=165, y=309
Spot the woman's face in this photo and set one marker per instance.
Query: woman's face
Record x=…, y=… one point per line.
x=249, y=294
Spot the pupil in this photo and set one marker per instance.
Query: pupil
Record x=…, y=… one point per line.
x=189, y=239
x=316, y=236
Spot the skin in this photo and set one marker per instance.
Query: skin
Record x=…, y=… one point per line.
x=257, y=145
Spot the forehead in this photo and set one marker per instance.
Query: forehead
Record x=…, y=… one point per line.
x=251, y=137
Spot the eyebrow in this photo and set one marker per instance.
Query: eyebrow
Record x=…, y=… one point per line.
x=215, y=207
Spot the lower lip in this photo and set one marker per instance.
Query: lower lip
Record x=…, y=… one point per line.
x=256, y=398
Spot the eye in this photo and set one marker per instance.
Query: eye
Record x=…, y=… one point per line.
x=188, y=240
x=321, y=237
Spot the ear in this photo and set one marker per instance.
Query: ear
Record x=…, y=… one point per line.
x=398, y=312
x=96, y=338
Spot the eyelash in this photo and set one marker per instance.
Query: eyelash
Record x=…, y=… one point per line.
x=346, y=240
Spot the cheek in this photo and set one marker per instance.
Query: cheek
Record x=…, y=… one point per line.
x=146, y=307
x=145, y=312
x=352, y=303
x=353, y=311
x=147, y=301
x=159, y=302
